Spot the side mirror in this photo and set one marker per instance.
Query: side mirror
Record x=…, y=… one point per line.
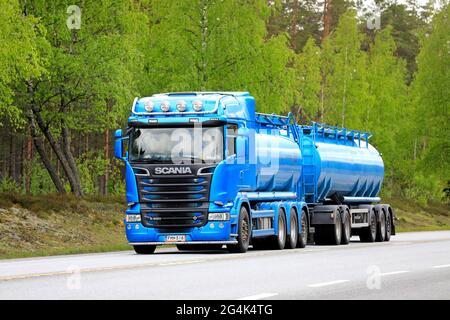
x=118, y=147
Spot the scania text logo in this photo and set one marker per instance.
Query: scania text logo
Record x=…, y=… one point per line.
x=173, y=170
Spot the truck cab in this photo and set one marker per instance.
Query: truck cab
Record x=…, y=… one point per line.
x=187, y=160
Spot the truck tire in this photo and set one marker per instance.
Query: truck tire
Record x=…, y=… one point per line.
x=336, y=236
x=346, y=227
x=144, y=249
x=244, y=233
x=381, y=226
x=368, y=234
x=387, y=236
x=292, y=240
x=279, y=241
x=303, y=237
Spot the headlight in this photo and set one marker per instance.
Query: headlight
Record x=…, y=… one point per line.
x=219, y=216
x=133, y=218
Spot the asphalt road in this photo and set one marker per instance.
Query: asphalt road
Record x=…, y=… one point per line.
x=410, y=266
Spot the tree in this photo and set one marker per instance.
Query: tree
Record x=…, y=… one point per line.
x=431, y=98
x=19, y=56
x=388, y=113
x=89, y=72
x=208, y=50
x=346, y=81
x=308, y=81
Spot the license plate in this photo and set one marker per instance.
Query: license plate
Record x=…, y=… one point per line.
x=176, y=238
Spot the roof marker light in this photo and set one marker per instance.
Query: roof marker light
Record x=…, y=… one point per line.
x=148, y=106
x=197, y=105
x=165, y=106
x=181, y=106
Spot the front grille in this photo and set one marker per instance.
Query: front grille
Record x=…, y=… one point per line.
x=174, y=201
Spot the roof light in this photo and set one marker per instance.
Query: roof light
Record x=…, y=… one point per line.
x=181, y=106
x=197, y=105
x=149, y=106
x=165, y=106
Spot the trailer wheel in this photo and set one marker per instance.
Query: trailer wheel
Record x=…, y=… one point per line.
x=346, y=227
x=368, y=234
x=387, y=236
x=303, y=238
x=279, y=241
x=337, y=230
x=244, y=233
x=293, y=230
x=381, y=227
x=144, y=249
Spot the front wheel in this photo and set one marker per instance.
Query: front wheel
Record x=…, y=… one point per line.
x=244, y=232
x=144, y=249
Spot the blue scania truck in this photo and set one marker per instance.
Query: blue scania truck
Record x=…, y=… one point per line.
x=204, y=170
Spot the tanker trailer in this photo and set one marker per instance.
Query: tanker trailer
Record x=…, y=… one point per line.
x=342, y=177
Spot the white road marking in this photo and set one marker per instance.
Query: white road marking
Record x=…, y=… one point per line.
x=441, y=266
x=324, y=284
x=393, y=272
x=180, y=262
x=259, y=296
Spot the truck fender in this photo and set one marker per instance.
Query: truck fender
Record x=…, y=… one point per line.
x=239, y=202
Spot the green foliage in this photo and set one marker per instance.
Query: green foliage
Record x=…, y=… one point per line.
x=19, y=56
x=308, y=80
x=84, y=80
x=206, y=50
x=9, y=185
x=92, y=166
x=40, y=179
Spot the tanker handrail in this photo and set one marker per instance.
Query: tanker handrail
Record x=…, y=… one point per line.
x=275, y=120
x=320, y=130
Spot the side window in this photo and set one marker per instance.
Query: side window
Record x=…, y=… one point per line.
x=231, y=139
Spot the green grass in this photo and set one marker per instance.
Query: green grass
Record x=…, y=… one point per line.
x=414, y=216
x=47, y=225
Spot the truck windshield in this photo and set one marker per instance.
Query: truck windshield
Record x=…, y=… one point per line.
x=177, y=145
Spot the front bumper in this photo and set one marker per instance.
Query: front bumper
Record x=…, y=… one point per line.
x=211, y=232
x=190, y=242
